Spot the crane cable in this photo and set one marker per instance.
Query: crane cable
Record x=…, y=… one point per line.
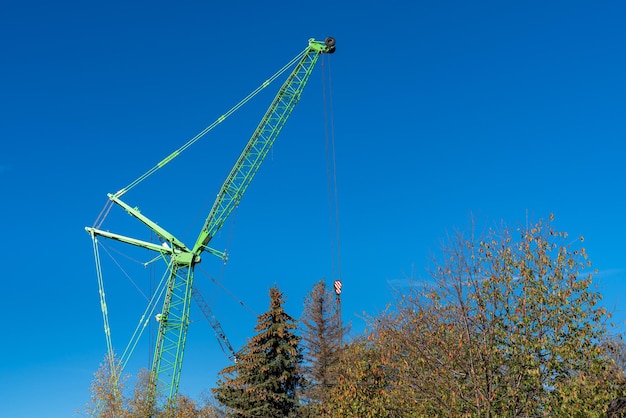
x=213, y=125
x=333, y=200
x=331, y=166
x=103, y=303
x=143, y=321
x=221, y=286
x=103, y=214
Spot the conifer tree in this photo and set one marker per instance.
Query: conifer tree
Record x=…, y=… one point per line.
x=322, y=329
x=265, y=379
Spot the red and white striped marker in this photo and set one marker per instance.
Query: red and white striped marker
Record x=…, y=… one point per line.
x=338, y=287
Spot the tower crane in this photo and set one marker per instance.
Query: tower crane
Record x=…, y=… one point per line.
x=181, y=259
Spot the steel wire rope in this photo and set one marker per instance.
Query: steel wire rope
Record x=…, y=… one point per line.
x=200, y=213
x=230, y=236
x=150, y=308
x=333, y=194
x=228, y=292
x=233, y=297
x=103, y=304
x=103, y=214
x=130, y=279
x=213, y=295
x=152, y=281
x=213, y=125
x=331, y=168
x=105, y=316
x=145, y=317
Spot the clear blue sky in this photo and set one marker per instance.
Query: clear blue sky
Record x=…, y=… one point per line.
x=443, y=110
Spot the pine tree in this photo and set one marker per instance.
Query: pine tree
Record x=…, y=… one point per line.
x=321, y=335
x=265, y=379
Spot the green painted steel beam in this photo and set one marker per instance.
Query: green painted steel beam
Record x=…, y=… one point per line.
x=128, y=240
x=161, y=232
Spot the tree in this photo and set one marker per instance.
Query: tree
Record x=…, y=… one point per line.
x=615, y=349
x=107, y=388
x=322, y=330
x=109, y=401
x=265, y=378
x=185, y=407
x=143, y=402
x=361, y=389
x=508, y=325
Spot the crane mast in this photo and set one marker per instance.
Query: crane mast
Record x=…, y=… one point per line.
x=174, y=316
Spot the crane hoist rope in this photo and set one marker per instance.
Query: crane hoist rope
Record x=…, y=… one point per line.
x=331, y=168
x=333, y=199
x=178, y=286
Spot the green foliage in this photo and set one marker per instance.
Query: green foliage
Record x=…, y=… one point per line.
x=508, y=325
x=265, y=379
x=615, y=349
x=362, y=385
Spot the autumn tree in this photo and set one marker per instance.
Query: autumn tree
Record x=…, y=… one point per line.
x=615, y=349
x=321, y=331
x=507, y=325
x=265, y=378
x=142, y=402
x=185, y=407
x=107, y=400
x=361, y=388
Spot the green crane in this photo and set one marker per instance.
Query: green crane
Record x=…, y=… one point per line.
x=181, y=259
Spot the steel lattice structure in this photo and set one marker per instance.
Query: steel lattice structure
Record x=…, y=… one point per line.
x=174, y=317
